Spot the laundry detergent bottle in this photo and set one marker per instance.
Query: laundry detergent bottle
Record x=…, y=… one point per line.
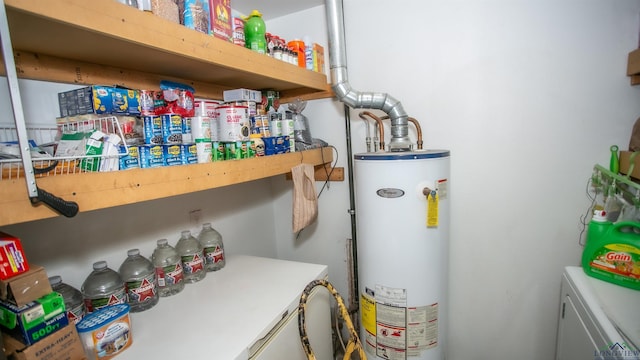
x=612, y=251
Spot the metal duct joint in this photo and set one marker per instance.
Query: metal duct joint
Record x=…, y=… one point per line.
x=339, y=82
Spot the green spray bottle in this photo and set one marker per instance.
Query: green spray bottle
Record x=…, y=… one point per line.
x=255, y=33
x=612, y=251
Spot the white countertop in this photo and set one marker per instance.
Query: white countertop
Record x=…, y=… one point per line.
x=222, y=315
x=619, y=304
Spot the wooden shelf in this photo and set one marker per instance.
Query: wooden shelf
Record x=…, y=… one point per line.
x=106, y=42
x=93, y=191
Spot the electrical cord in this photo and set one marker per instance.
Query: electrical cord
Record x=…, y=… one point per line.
x=585, y=216
x=328, y=173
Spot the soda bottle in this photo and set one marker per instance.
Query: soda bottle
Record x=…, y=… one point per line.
x=139, y=277
x=168, y=267
x=103, y=287
x=211, y=241
x=73, y=300
x=255, y=32
x=192, y=256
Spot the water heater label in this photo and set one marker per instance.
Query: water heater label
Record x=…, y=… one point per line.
x=390, y=193
x=394, y=330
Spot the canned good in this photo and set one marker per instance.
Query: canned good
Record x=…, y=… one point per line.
x=257, y=145
x=206, y=107
x=172, y=154
x=186, y=130
x=275, y=124
x=271, y=99
x=189, y=153
x=147, y=106
x=171, y=128
x=130, y=160
x=233, y=122
x=200, y=127
x=203, y=151
x=217, y=151
x=238, y=31
x=151, y=156
x=152, y=129
x=232, y=151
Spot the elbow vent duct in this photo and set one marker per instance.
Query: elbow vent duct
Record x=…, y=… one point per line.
x=356, y=99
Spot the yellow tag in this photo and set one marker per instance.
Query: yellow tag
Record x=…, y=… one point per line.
x=368, y=313
x=432, y=209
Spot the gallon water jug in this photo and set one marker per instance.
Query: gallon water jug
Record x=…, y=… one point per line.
x=612, y=251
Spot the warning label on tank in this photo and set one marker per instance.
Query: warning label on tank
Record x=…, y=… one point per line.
x=422, y=329
x=394, y=331
x=442, y=188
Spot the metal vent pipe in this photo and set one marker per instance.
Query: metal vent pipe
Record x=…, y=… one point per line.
x=370, y=100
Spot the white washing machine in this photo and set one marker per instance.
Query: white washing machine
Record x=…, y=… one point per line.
x=597, y=320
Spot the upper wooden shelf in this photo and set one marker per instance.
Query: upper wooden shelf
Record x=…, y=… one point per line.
x=106, y=42
x=100, y=190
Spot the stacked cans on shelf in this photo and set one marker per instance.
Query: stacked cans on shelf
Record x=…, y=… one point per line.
x=166, y=125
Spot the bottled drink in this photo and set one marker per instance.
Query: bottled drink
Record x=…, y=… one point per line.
x=168, y=269
x=192, y=256
x=103, y=287
x=211, y=241
x=255, y=32
x=73, y=300
x=139, y=277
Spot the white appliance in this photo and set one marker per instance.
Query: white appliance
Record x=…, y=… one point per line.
x=403, y=238
x=247, y=310
x=598, y=320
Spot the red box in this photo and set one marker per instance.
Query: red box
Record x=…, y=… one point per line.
x=221, y=19
x=12, y=258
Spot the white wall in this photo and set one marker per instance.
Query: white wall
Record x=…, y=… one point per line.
x=528, y=96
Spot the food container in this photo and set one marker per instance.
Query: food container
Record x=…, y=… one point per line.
x=107, y=332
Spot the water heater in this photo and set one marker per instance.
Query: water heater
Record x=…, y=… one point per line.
x=402, y=219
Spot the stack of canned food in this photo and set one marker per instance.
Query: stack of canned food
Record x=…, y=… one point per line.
x=214, y=131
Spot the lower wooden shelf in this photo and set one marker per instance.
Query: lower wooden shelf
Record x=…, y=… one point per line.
x=93, y=191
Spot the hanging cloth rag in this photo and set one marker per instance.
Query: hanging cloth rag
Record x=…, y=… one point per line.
x=305, y=200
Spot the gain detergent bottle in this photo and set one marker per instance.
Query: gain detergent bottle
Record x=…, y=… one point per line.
x=612, y=251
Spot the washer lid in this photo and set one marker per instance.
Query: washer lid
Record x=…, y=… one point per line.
x=617, y=303
x=408, y=155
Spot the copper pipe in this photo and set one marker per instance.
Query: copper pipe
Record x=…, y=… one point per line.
x=380, y=127
x=418, y=130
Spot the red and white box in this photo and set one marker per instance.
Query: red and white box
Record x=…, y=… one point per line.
x=12, y=258
x=221, y=21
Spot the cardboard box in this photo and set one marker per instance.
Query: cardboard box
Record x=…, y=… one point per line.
x=625, y=164
x=276, y=145
x=242, y=95
x=26, y=287
x=63, y=344
x=12, y=258
x=221, y=19
x=99, y=99
x=318, y=58
x=32, y=322
x=633, y=63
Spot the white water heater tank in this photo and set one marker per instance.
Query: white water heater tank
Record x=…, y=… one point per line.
x=402, y=219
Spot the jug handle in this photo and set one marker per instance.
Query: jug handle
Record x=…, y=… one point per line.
x=622, y=224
